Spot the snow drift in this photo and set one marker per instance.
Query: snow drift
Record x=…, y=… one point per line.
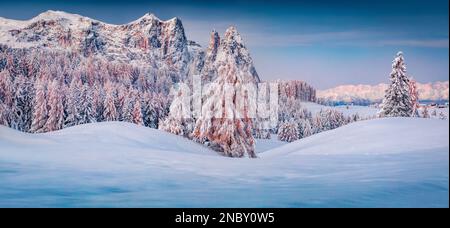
x=392, y=162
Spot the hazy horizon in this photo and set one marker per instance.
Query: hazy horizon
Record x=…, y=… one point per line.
x=324, y=43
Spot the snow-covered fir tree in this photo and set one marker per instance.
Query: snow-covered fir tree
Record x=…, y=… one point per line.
x=425, y=113
x=40, y=112
x=397, y=100
x=304, y=128
x=414, y=97
x=434, y=113
x=6, y=88
x=442, y=116
x=225, y=123
x=179, y=121
x=22, y=104
x=55, y=119
x=86, y=110
x=137, y=113
x=261, y=129
x=288, y=132
x=4, y=114
x=149, y=114
x=98, y=97
x=110, y=112
x=354, y=117
x=71, y=113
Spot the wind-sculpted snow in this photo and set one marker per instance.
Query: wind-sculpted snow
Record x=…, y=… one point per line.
x=391, y=162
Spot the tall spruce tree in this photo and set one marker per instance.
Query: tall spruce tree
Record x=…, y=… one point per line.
x=397, y=100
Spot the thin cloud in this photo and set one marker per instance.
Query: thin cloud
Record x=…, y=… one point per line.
x=431, y=43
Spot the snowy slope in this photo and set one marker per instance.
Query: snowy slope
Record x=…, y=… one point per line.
x=378, y=163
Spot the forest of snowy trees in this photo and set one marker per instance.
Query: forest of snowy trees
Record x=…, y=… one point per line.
x=43, y=91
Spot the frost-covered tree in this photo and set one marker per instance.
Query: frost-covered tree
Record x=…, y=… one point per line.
x=40, y=112
x=55, y=119
x=179, y=121
x=442, y=116
x=414, y=97
x=137, y=113
x=304, y=129
x=354, y=117
x=434, y=113
x=86, y=112
x=397, y=100
x=425, y=113
x=22, y=104
x=127, y=108
x=71, y=113
x=288, y=132
x=98, y=97
x=148, y=111
x=317, y=124
x=6, y=88
x=261, y=129
x=4, y=114
x=110, y=112
x=226, y=122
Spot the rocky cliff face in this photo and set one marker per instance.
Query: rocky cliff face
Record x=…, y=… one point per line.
x=147, y=41
x=226, y=51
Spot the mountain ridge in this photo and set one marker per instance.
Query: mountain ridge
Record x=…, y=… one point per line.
x=432, y=91
x=148, y=40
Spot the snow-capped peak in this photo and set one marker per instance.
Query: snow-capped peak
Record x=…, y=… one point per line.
x=231, y=34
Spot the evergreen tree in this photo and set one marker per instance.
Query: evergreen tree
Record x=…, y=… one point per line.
x=179, y=121
x=414, y=97
x=73, y=105
x=304, y=128
x=288, y=132
x=86, y=113
x=110, y=112
x=137, y=113
x=40, y=114
x=261, y=129
x=55, y=119
x=127, y=108
x=397, y=100
x=4, y=114
x=425, y=113
x=148, y=112
x=434, y=113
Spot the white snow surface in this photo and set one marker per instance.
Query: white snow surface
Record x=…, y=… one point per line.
x=392, y=162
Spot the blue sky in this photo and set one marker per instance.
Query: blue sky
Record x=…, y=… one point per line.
x=325, y=43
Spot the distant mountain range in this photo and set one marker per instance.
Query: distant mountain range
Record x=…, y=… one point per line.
x=437, y=91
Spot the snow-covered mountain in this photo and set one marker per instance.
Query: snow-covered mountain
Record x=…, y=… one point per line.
x=375, y=93
x=146, y=41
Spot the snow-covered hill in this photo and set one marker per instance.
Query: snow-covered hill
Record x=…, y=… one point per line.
x=375, y=93
x=397, y=162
